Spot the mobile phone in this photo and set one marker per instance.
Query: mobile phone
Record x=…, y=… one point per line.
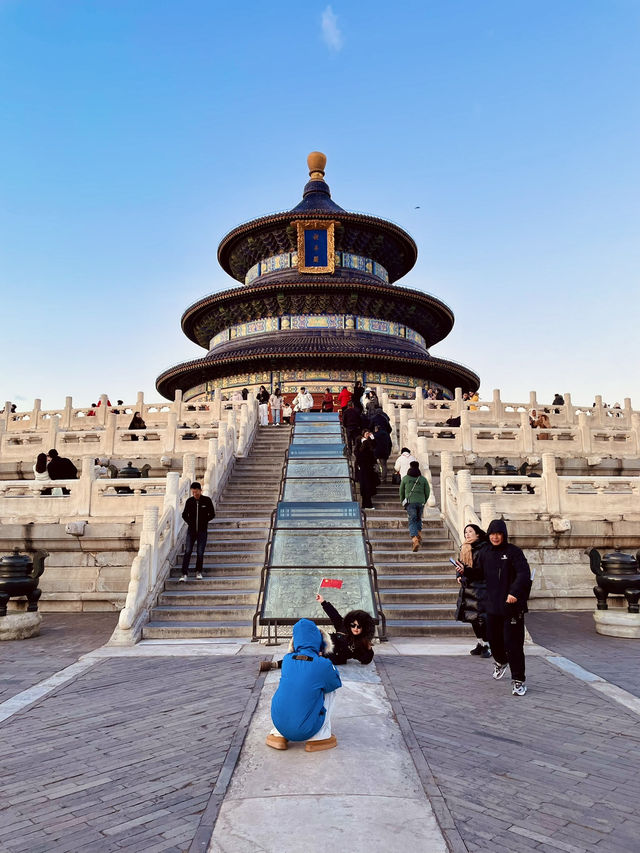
x=455, y=563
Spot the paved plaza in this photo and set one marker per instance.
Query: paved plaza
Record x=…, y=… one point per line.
x=161, y=748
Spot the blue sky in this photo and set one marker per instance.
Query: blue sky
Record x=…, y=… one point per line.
x=503, y=136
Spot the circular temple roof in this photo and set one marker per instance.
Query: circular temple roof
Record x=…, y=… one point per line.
x=355, y=233
x=287, y=293
x=317, y=350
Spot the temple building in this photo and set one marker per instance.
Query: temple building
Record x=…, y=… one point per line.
x=316, y=305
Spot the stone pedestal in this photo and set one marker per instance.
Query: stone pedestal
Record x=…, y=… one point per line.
x=19, y=626
x=616, y=623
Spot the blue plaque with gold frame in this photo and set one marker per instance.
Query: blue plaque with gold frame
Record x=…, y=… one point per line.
x=316, y=246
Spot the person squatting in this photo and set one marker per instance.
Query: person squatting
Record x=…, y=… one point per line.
x=303, y=703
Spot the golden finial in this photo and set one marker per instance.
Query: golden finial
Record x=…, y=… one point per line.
x=316, y=161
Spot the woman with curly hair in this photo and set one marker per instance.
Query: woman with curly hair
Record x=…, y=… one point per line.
x=353, y=634
x=352, y=637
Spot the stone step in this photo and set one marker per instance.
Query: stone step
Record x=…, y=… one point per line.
x=417, y=581
x=160, y=630
x=241, y=542
x=428, y=628
x=239, y=511
x=424, y=568
x=407, y=612
x=430, y=536
x=210, y=613
x=403, y=541
x=207, y=597
x=220, y=569
x=257, y=502
x=212, y=560
x=224, y=582
x=411, y=597
x=389, y=555
x=388, y=520
x=248, y=525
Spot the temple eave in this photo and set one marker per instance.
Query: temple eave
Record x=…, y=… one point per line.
x=428, y=315
x=188, y=374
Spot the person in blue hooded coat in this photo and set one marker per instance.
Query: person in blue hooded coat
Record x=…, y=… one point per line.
x=302, y=704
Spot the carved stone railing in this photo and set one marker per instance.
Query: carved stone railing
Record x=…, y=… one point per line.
x=162, y=537
x=559, y=500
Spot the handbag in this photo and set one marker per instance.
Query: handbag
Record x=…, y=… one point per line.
x=406, y=500
x=395, y=478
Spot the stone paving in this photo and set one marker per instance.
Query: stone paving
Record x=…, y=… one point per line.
x=554, y=770
x=126, y=757
x=574, y=636
x=63, y=638
x=136, y=749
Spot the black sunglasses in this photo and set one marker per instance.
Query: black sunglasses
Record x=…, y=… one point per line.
x=354, y=625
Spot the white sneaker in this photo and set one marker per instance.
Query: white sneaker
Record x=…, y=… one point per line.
x=199, y=575
x=518, y=688
x=182, y=578
x=499, y=670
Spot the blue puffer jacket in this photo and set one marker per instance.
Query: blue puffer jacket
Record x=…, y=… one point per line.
x=297, y=709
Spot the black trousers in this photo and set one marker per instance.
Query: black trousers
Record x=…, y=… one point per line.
x=506, y=638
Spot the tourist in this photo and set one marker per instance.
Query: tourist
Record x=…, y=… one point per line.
x=365, y=465
x=354, y=633
x=117, y=411
x=327, y=401
x=372, y=402
x=41, y=474
x=100, y=469
x=542, y=421
x=287, y=412
x=382, y=441
x=92, y=411
x=263, y=406
x=61, y=468
x=352, y=423
x=245, y=393
x=198, y=512
x=381, y=419
x=505, y=570
x=137, y=423
x=236, y=397
x=303, y=401
x=275, y=401
x=558, y=400
x=343, y=397
x=302, y=705
x=352, y=639
x=414, y=493
x=471, y=600
x=402, y=463
x=358, y=391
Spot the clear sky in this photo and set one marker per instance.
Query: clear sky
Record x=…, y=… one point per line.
x=504, y=136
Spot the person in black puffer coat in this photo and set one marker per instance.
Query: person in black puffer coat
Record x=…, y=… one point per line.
x=506, y=572
x=472, y=597
x=353, y=634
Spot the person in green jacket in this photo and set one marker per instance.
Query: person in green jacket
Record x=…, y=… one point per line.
x=414, y=493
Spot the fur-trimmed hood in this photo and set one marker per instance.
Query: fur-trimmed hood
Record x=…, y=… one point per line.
x=303, y=635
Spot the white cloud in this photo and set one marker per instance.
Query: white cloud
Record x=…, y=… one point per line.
x=331, y=31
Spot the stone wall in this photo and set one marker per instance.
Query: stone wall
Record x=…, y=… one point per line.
x=82, y=573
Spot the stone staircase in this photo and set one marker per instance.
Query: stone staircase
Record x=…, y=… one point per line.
x=418, y=591
x=223, y=603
